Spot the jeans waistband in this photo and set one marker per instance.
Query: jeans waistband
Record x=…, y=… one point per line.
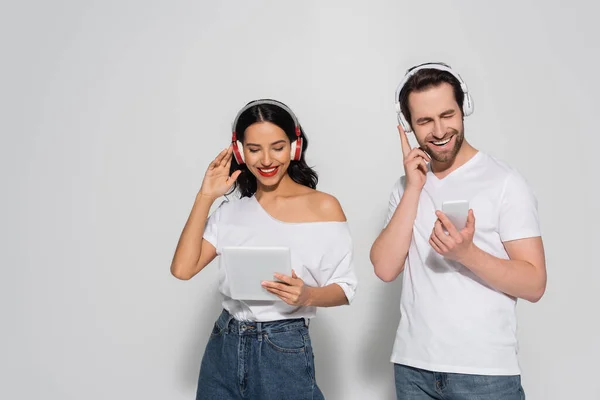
x=232, y=325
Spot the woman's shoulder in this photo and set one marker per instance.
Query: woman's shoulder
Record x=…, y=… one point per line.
x=326, y=207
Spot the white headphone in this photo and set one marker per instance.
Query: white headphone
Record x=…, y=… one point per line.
x=467, y=103
x=238, y=148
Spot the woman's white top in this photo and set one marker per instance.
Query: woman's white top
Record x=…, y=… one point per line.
x=321, y=254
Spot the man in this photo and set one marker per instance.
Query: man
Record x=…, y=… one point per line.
x=457, y=333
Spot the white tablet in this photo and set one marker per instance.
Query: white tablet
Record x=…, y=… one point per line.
x=247, y=267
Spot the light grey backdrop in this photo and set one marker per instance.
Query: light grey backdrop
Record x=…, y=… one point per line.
x=111, y=111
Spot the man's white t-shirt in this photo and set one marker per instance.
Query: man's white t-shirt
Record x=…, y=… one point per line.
x=321, y=252
x=452, y=321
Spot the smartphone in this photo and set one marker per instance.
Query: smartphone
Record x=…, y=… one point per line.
x=457, y=212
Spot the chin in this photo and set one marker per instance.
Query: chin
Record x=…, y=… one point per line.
x=443, y=157
x=446, y=156
x=270, y=181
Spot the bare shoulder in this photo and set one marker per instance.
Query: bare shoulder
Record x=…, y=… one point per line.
x=327, y=207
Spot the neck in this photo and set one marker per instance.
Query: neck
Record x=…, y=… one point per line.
x=283, y=188
x=442, y=169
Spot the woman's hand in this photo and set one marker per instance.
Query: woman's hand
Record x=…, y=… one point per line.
x=291, y=289
x=217, y=181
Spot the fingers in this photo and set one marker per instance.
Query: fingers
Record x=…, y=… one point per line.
x=408, y=152
x=284, y=278
x=470, y=221
x=416, y=159
x=217, y=161
x=438, y=232
x=404, y=142
x=416, y=163
x=422, y=166
x=289, y=294
x=449, y=226
x=282, y=287
x=229, y=158
x=287, y=297
x=221, y=155
x=437, y=244
x=289, y=284
x=226, y=160
x=417, y=152
x=290, y=289
x=233, y=177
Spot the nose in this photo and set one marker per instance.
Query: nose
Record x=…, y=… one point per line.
x=266, y=159
x=439, y=130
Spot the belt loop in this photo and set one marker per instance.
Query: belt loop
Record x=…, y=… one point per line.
x=259, y=331
x=229, y=319
x=307, y=322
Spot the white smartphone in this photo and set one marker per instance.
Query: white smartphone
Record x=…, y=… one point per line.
x=457, y=212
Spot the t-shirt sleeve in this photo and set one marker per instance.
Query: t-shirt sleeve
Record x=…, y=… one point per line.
x=342, y=271
x=395, y=196
x=211, y=228
x=518, y=217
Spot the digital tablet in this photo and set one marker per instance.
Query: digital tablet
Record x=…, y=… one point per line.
x=247, y=267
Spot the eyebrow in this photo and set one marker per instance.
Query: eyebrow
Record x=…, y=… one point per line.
x=272, y=144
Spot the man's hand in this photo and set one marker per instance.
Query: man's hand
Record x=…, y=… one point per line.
x=453, y=245
x=415, y=162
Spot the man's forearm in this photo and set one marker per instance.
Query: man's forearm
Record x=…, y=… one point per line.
x=516, y=278
x=390, y=249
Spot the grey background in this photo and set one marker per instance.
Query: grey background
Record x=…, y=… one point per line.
x=110, y=112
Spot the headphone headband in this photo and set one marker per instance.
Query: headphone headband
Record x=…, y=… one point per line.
x=467, y=103
x=296, y=145
x=271, y=102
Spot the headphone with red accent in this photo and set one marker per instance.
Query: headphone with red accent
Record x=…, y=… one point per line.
x=238, y=148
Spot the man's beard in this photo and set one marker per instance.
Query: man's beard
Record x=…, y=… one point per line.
x=446, y=156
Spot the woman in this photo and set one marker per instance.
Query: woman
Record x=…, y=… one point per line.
x=262, y=350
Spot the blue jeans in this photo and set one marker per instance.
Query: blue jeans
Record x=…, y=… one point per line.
x=418, y=384
x=254, y=360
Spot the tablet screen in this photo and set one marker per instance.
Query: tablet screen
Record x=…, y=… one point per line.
x=247, y=267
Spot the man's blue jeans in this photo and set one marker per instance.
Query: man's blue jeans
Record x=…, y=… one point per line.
x=418, y=384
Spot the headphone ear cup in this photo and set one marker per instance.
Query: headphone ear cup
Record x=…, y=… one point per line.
x=238, y=152
x=405, y=125
x=296, y=149
x=468, y=106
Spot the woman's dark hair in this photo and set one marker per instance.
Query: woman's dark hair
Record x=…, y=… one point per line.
x=424, y=79
x=299, y=171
